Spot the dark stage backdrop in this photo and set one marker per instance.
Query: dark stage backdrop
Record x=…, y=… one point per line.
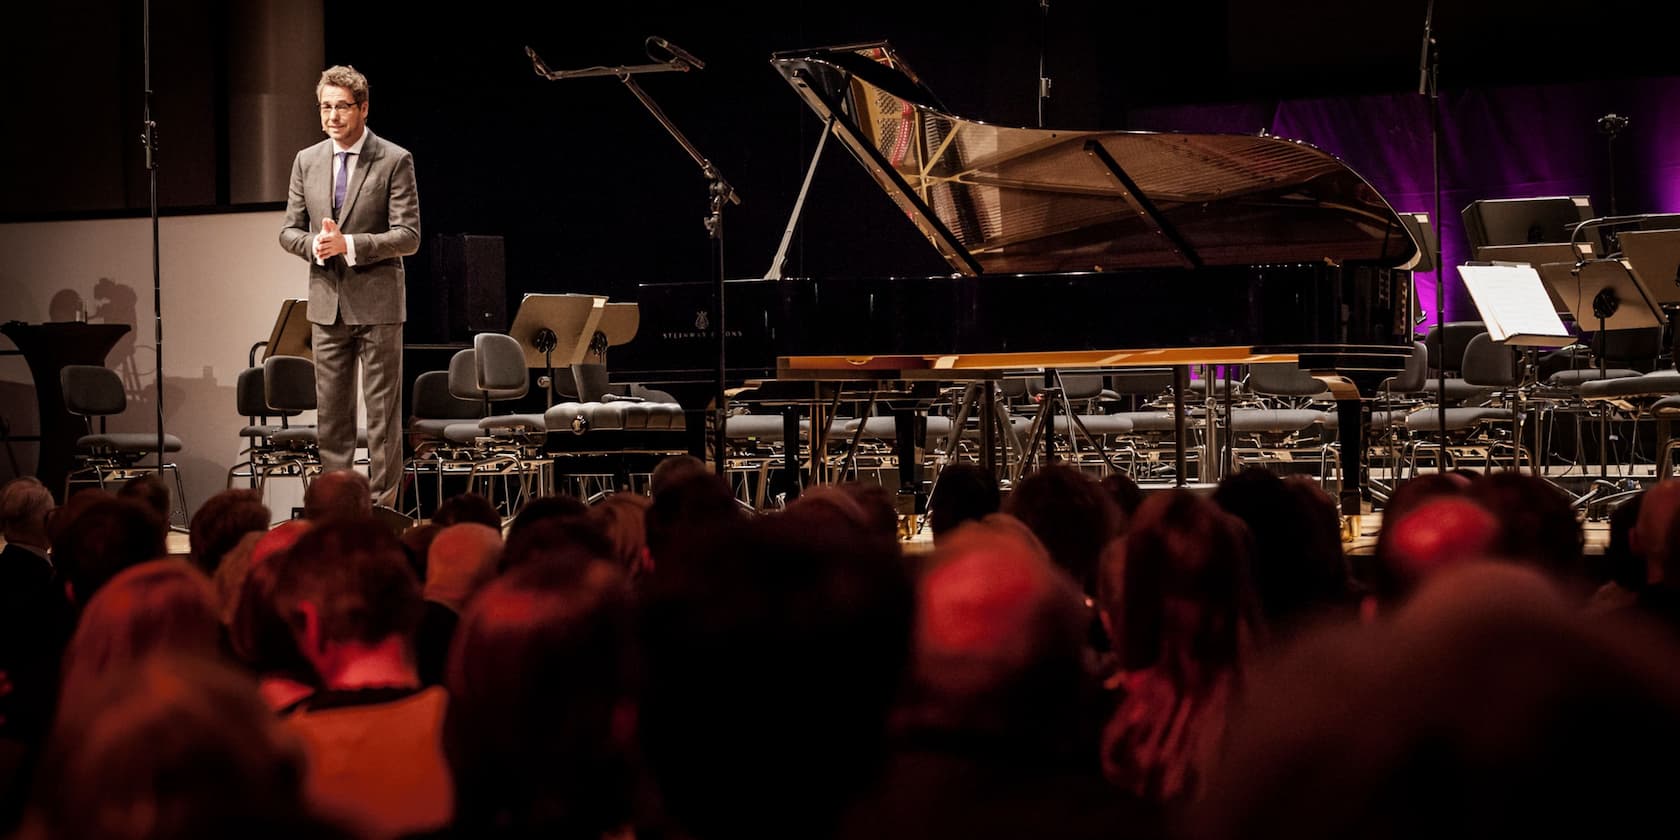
x=592, y=195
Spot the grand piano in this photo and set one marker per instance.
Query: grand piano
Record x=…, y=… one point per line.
x=1068, y=249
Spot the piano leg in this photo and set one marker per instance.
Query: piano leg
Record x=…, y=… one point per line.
x=1181, y=383
x=787, y=478
x=1350, y=429
x=911, y=426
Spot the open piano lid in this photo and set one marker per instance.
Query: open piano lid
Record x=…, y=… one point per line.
x=998, y=199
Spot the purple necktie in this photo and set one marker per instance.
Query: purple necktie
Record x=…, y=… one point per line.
x=340, y=182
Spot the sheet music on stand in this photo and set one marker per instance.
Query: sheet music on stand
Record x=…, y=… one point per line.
x=1514, y=305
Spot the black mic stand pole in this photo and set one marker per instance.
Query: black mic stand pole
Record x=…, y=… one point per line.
x=148, y=138
x=1429, y=83
x=718, y=190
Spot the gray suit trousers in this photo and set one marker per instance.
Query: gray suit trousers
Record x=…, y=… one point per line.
x=378, y=347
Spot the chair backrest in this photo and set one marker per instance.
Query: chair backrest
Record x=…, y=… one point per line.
x=250, y=397
x=1075, y=386
x=1637, y=348
x=499, y=364
x=1488, y=363
x=289, y=384
x=1412, y=378
x=1283, y=379
x=1458, y=336
x=1143, y=382
x=590, y=380
x=92, y=390
x=433, y=401
x=463, y=376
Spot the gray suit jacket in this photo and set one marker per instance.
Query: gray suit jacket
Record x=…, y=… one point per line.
x=381, y=212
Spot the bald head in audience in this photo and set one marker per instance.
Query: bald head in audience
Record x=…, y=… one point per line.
x=1433, y=535
x=461, y=557
x=339, y=494
x=999, y=631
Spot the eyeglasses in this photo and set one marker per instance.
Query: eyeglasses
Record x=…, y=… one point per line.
x=340, y=108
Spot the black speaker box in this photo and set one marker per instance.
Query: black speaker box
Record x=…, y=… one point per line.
x=471, y=276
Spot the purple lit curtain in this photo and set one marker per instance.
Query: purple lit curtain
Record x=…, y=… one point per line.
x=1507, y=142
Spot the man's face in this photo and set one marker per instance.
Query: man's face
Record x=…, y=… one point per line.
x=341, y=118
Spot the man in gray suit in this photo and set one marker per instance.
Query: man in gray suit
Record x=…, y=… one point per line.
x=353, y=213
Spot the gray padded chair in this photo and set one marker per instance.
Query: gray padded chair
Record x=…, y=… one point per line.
x=1488, y=368
x=102, y=456
x=260, y=453
x=498, y=445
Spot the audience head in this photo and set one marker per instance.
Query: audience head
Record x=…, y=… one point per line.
x=258, y=631
x=570, y=539
x=170, y=747
x=346, y=588
x=1537, y=525
x=1433, y=534
x=157, y=606
x=963, y=493
x=690, y=503
x=999, y=637
x=1649, y=539
x=467, y=507
x=1070, y=514
x=1187, y=599
x=774, y=654
x=99, y=540
x=1489, y=704
x=279, y=539
x=623, y=518
x=417, y=541
x=338, y=494
x=1621, y=564
x=151, y=493
x=541, y=684
x=460, y=559
x=674, y=469
x=880, y=505
x=1299, y=571
x=221, y=522
x=24, y=503
x=1124, y=491
x=557, y=506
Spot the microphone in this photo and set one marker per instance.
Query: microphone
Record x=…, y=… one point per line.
x=677, y=52
x=537, y=62
x=1612, y=124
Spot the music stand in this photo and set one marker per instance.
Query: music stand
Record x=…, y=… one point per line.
x=553, y=325
x=1423, y=236
x=1654, y=256
x=1538, y=254
x=1524, y=221
x=292, y=333
x=617, y=325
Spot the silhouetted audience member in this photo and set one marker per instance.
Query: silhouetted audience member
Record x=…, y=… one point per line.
x=542, y=686
x=623, y=518
x=542, y=508
x=461, y=559
x=338, y=494
x=963, y=493
x=1537, y=526
x=467, y=507
x=1125, y=492
x=158, y=606
x=570, y=539
x=221, y=522
x=34, y=622
x=773, y=657
x=996, y=737
x=880, y=505
x=1070, y=514
x=1433, y=534
x=691, y=504
x=417, y=541
x=1299, y=571
x=373, y=733
x=1488, y=706
x=171, y=748
x=1190, y=621
x=673, y=469
x=151, y=493
x=262, y=639
x=100, y=540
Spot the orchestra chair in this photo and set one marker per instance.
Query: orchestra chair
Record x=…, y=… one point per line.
x=261, y=456
x=1611, y=354
x=433, y=410
x=1397, y=397
x=1665, y=411
x=1488, y=377
x=1144, y=398
x=504, y=446
x=103, y=456
x=289, y=388
x=1281, y=421
x=1078, y=401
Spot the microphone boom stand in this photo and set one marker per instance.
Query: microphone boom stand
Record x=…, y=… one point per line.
x=1429, y=83
x=718, y=192
x=148, y=138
